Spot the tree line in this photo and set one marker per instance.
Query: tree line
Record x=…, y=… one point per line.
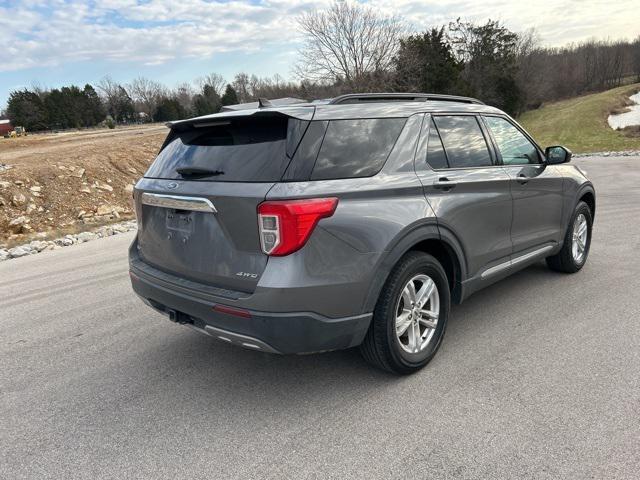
x=111, y=103
x=353, y=48
x=349, y=47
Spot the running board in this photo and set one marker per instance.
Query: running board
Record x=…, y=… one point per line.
x=489, y=272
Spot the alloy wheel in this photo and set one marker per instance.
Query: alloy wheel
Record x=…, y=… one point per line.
x=417, y=312
x=579, y=243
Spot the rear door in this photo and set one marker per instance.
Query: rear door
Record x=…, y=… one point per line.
x=468, y=192
x=197, y=203
x=536, y=187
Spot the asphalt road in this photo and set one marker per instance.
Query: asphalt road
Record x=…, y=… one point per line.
x=538, y=377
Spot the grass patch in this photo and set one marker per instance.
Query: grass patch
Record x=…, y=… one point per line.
x=580, y=123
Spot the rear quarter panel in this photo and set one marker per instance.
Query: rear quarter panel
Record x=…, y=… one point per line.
x=373, y=214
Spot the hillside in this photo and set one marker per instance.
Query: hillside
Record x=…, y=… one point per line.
x=66, y=182
x=581, y=123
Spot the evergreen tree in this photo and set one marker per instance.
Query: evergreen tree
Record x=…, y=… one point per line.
x=121, y=108
x=426, y=63
x=207, y=102
x=94, y=109
x=229, y=97
x=56, y=110
x=169, y=109
x=490, y=56
x=26, y=109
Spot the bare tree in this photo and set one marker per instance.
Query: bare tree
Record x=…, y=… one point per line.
x=242, y=85
x=635, y=58
x=116, y=100
x=147, y=94
x=214, y=80
x=110, y=90
x=348, y=42
x=184, y=94
x=39, y=89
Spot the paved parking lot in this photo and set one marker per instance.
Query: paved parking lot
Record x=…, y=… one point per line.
x=538, y=377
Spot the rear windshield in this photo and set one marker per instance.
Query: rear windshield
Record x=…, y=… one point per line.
x=237, y=150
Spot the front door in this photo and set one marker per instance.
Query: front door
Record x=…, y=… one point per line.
x=536, y=188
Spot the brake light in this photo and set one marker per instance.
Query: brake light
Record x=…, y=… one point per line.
x=286, y=225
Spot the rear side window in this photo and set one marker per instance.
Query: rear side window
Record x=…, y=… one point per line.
x=463, y=141
x=356, y=148
x=236, y=150
x=436, y=158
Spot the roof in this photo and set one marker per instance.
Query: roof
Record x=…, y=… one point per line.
x=343, y=111
x=2, y=122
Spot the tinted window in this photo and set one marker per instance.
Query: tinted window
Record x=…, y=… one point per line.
x=241, y=150
x=436, y=158
x=463, y=141
x=515, y=148
x=295, y=131
x=302, y=163
x=356, y=148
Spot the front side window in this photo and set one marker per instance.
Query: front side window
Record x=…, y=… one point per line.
x=463, y=141
x=515, y=148
x=356, y=148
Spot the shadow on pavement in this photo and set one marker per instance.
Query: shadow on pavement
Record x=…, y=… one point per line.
x=192, y=364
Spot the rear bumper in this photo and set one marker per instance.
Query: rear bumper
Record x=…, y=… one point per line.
x=286, y=332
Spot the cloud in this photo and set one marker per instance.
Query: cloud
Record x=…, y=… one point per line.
x=558, y=22
x=152, y=32
x=37, y=33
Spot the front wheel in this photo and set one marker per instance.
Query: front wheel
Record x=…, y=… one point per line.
x=577, y=242
x=410, y=317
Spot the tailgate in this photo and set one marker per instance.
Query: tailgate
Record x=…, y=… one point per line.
x=208, y=232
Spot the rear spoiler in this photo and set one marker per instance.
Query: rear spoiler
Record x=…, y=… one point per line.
x=305, y=112
x=263, y=103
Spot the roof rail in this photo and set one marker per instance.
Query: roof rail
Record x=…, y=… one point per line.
x=400, y=97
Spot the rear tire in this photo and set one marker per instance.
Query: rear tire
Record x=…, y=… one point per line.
x=575, y=248
x=410, y=317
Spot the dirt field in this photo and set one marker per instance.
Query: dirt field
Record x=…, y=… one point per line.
x=63, y=182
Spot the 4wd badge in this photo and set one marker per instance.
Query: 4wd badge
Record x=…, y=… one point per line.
x=247, y=275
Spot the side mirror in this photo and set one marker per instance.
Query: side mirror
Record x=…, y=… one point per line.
x=557, y=154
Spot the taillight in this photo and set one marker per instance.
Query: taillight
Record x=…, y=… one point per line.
x=285, y=225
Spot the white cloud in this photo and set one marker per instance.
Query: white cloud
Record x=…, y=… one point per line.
x=558, y=22
x=37, y=33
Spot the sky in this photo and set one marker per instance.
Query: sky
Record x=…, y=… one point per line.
x=61, y=42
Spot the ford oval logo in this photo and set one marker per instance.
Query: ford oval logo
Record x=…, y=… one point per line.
x=172, y=185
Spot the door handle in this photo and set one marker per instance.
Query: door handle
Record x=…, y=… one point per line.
x=443, y=183
x=522, y=179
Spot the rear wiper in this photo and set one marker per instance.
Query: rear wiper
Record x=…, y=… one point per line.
x=198, y=172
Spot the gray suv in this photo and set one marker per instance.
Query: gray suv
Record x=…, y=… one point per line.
x=355, y=221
